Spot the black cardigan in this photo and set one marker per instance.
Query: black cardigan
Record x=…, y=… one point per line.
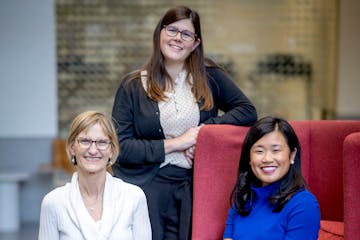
x=141, y=138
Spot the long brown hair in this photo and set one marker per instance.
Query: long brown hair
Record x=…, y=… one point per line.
x=194, y=64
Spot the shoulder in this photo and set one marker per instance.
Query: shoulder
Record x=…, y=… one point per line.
x=129, y=87
x=303, y=201
x=305, y=195
x=131, y=190
x=217, y=76
x=55, y=197
x=55, y=193
x=130, y=81
x=214, y=71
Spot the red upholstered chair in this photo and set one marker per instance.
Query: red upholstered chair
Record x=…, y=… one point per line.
x=351, y=163
x=215, y=168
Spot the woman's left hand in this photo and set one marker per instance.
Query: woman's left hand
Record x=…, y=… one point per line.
x=189, y=154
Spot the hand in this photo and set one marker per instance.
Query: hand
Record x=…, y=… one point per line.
x=190, y=154
x=182, y=142
x=188, y=139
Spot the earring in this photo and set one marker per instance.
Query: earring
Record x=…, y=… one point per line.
x=73, y=160
x=292, y=162
x=110, y=162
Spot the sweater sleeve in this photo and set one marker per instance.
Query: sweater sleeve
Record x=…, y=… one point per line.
x=48, y=228
x=141, y=223
x=135, y=129
x=229, y=227
x=303, y=218
x=237, y=108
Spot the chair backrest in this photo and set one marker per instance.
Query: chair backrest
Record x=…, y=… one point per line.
x=216, y=165
x=322, y=161
x=351, y=185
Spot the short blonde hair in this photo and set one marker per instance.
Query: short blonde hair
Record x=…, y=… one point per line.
x=87, y=119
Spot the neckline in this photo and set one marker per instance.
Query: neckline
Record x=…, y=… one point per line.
x=266, y=190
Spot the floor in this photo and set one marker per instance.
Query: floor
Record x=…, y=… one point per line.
x=27, y=232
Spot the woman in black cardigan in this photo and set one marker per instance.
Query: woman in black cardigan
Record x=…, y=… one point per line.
x=158, y=111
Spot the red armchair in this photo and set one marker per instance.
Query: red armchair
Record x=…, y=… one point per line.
x=351, y=163
x=215, y=168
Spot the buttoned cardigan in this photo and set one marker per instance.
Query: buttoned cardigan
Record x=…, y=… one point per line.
x=137, y=122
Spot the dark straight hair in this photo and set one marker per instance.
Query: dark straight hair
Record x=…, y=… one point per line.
x=293, y=181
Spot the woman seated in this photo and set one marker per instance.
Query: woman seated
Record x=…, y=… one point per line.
x=270, y=199
x=94, y=205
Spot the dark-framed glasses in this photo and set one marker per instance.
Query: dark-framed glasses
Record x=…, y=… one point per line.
x=101, y=144
x=186, y=35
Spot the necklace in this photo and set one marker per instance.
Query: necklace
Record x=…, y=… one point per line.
x=95, y=210
x=92, y=203
x=93, y=206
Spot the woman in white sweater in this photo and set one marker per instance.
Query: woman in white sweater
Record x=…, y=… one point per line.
x=94, y=205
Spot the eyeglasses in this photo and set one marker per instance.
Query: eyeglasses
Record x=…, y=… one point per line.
x=186, y=35
x=100, y=144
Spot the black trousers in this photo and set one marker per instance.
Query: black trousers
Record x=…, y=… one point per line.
x=169, y=197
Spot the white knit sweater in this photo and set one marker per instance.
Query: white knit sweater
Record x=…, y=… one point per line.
x=125, y=213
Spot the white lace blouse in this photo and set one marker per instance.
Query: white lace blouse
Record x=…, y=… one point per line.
x=178, y=113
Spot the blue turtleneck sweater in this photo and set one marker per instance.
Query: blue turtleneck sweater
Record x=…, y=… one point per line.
x=299, y=219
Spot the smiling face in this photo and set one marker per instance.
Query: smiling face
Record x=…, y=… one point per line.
x=270, y=157
x=175, y=49
x=90, y=159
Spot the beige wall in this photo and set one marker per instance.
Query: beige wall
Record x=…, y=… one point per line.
x=246, y=31
x=348, y=105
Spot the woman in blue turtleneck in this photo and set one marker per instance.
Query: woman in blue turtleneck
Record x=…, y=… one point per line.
x=270, y=199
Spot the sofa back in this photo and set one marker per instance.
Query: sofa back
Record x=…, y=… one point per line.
x=216, y=165
x=351, y=172
x=322, y=161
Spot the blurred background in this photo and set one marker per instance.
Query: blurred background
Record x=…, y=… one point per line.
x=298, y=59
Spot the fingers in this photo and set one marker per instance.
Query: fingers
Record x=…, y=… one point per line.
x=189, y=160
x=190, y=152
x=189, y=138
x=196, y=131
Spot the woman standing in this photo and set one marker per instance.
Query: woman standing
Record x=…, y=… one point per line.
x=94, y=205
x=158, y=111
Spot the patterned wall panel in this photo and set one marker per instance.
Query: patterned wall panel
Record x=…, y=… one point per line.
x=281, y=53
x=97, y=43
